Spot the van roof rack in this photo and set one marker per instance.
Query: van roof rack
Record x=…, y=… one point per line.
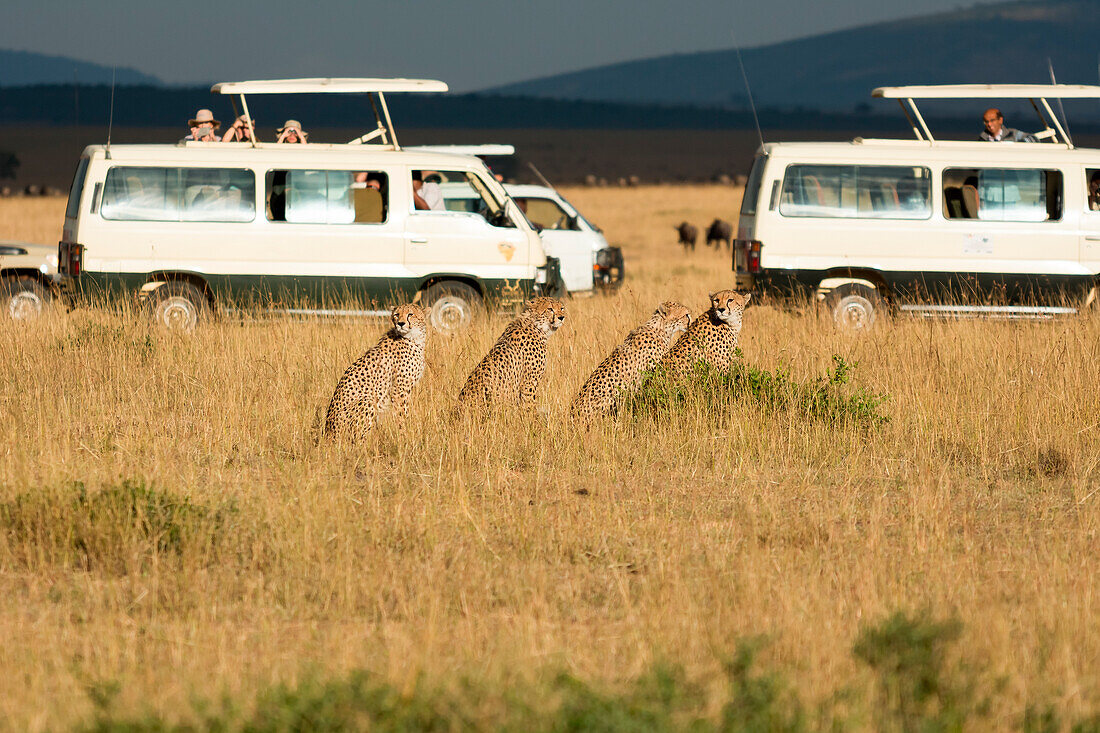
x=319, y=85
x=1030, y=92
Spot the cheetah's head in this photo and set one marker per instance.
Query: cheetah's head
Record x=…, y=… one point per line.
x=547, y=313
x=728, y=306
x=671, y=317
x=410, y=321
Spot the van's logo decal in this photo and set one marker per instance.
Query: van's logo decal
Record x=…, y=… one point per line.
x=507, y=249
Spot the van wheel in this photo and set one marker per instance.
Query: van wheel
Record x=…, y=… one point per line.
x=453, y=305
x=855, y=307
x=179, y=306
x=23, y=298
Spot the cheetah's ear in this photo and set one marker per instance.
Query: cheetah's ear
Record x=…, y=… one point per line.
x=748, y=297
x=711, y=295
x=662, y=310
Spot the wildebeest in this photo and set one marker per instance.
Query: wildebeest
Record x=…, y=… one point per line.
x=720, y=231
x=688, y=235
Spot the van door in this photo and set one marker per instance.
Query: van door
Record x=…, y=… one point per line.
x=455, y=235
x=1015, y=236
x=563, y=237
x=1090, y=223
x=331, y=242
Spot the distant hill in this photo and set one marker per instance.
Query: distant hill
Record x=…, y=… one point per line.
x=23, y=68
x=997, y=43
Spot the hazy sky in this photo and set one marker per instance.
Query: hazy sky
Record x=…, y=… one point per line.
x=471, y=45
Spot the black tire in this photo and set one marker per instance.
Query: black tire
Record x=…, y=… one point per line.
x=23, y=298
x=179, y=306
x=454, y=305
x=855, y=308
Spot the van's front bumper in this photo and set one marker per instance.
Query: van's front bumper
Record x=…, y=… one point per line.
x=608, y=272
x=548, y=278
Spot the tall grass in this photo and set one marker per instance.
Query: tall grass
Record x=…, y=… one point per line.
x=169, y=522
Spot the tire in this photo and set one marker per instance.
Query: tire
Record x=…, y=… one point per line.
x=454, y=305
x=179, y=306
x=855, y=308
x=23, y=298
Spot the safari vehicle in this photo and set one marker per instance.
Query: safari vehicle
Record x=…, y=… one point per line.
x=196, y=227
x=925, y=226
x=587, y=262
x=28, y=279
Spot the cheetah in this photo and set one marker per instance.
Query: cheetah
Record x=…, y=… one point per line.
x=510, y=373
x=624, y=368
x=712, y=338
x=382, y=377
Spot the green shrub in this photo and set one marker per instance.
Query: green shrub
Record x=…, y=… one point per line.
x=116, y=529
x=916, y=688
x=824, y=398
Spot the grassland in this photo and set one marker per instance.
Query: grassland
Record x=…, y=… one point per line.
x=172, y=534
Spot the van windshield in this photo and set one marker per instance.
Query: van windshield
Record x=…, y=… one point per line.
x=752, y=186
x=72, y=209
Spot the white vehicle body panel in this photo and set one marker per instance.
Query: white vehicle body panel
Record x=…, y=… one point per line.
x=1066, y=249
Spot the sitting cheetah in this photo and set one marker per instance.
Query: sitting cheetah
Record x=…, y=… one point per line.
x=712, y=338
x=624, y=368
x=511, y=371
x=383, y=376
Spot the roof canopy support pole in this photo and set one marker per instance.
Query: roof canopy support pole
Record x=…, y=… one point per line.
x=1057, y=124
x=1047, y=130
x=909, y=119
x=379, y=127
x=248, y=116
x=389, y=122
x=923, y=126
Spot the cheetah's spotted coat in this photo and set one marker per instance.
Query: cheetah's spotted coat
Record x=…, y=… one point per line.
x=382, y=377
x=623, y=369
x=711, y=338
x=510, y=373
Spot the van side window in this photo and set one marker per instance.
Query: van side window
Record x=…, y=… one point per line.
x=327, y=197
x=179, y=194
x=998, y=194
x=1092, y=190
x=546, y=214
x=857, y=192
x=752, y=185
x=464, y=192
x=72, y=208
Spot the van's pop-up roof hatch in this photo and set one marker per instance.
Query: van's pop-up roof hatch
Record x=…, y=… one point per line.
x=1030, y=92
x=376, y=89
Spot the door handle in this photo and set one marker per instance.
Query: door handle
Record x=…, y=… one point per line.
x=418, y=240
x=1092, y=238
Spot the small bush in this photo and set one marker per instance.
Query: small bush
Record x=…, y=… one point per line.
x=116, y=529
x=917, y=690
x=823, y=398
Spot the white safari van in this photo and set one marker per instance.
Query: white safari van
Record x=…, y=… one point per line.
x=299, y=228
x=926, y=226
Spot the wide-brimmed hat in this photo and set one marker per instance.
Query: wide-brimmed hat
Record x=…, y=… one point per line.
x=292, y=125
x=204, y=117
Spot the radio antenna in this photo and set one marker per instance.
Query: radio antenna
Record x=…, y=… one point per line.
x=111, y=114
x=1061, y=109
x=539, y=174
x=748, y=89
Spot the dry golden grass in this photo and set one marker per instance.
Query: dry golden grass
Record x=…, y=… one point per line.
x=502, y=549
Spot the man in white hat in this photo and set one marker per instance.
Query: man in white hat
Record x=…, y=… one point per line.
x=203, y=127
x=291, y=132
